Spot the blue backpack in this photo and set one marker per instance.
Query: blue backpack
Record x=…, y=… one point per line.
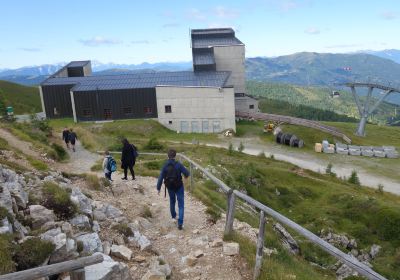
x=112, y=165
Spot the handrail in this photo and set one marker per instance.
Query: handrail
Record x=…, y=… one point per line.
x=48, y=270
x=349, y=260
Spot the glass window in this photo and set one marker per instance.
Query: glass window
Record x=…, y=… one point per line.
x=168, y=109
x=205, y=126
x=148, y=110
x=184, y=126
x=87, y=113
x=216, y=126
x=128, y=111
x=107, y=114
x=251, y=106
x=195, y=127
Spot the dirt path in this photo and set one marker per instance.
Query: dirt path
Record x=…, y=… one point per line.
x=80, y=161
x=132, y=196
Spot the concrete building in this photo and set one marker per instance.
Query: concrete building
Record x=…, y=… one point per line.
x=202, y=100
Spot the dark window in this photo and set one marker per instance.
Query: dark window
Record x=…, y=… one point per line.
x=148, y=110
x=251, y=107
x=168, y=109
x=170, y=122
x=87, y=113
x=107, y=114
x=127, y=111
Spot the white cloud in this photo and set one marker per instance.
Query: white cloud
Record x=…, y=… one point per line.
x=99, y=41
x=388, y=15
x=30, y=49
x=144, y=42
x=196, y=14
x=225, y=13
x=312, y=31
x=171, y=25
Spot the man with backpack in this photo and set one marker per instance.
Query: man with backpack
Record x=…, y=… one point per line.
x=171, y=174
x=109, y=165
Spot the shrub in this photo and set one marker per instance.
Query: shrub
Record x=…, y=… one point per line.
x=329, y=171
x=58, y=199
x=39, y=165
x=105, y=183
x=154, y=165
x=42, y=125
x=230, y=149
x=123, y=229
x=6, y=263
x=60, y=151
x=33, y=252
x=93, y=181
x=215, y=214
x=380, y=188
x=387, y=224
x=153, y=144
x=79, y=246
x=4, y=213
x=272, y=156
x=146, y=212
x=241, y=147
x=354, y=178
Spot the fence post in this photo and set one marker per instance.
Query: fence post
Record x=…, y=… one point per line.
x=260, y=246
x=78, y=274
x=230, y=214
x=191, y=177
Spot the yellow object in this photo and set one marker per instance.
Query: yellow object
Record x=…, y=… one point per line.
x=318, y=147
x=269, y=127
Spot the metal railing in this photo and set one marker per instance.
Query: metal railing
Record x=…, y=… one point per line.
x=75, y=268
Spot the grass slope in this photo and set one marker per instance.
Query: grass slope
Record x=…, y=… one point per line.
x=24, y=99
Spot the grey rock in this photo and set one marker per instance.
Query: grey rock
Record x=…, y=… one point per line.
x=40, y=215
x=121, y=251
x=231, y=249
x=96, y=226
x=82, y=201
x=67, y=228
x=91, y=242
x=99, y=215
x=154, y=275
x=287, y=240
x=140, y=240
x=55, y=236
x=119, y=240
x=5, y=226
x=5, y=199
x=112, y=212
x=344, y=271
x=106, y=247
x=374, y=250
x=107, y=270
x=65, y=248
x=20, y=229
x=80, y=221
x=17, y=191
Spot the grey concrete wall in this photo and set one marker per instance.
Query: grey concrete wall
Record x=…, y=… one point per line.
x=243, y=104
x=232, y=58
x=87, y=69
x=196, y=109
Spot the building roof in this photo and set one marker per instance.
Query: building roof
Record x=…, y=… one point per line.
x=143, y=80
x=206, y=31
x=210, y=42
x=78, y=63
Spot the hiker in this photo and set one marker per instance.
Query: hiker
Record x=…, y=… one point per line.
x=72, y=138
x=65, y=137
x=171, y=174
x=128, y=158
x=109, y=165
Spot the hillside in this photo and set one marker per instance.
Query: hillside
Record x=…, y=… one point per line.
x=24, y=99
x=314, y=97
x=324, y=69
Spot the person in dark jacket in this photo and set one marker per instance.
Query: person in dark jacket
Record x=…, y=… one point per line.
x=128, y=159
x=65, y=137
x=177, y=191
x=72, y=138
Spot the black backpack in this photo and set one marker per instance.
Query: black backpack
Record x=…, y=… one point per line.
x=172, y=180
x=134, y=152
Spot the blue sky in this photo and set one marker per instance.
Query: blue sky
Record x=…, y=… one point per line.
x=44, y=31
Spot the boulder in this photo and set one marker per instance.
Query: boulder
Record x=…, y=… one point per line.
x=20, y=229
x=99, y=215
x=374, y=250
x=107, y=270
x=65, y=248
x=120, y=251
x=231, y=249
x=200, y=241
x=96, y=226
x=5, y=226
x=91, y=242
x=154, y=275
x=40, y=215
x=7, y=175
x=287, y=240
x=217, y=242
x=112, y=212
x=17, y=192
x=67, y=228
x=140, y=240
x=5, y=199
x=106, y=247
x=82, y=201
x=344, y=271
x=80, y=221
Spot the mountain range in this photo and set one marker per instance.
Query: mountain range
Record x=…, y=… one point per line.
x=305, y=68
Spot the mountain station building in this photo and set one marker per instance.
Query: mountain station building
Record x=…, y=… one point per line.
x=202, y=100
